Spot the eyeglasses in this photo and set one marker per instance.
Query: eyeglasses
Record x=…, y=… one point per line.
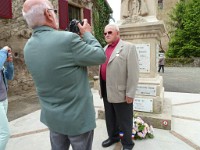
x=109, y=32
x=55, y=10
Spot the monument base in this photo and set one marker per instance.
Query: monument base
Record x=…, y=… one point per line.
x=150, y=89
x=160, y=121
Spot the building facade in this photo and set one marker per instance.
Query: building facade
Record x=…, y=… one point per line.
x=14, y=32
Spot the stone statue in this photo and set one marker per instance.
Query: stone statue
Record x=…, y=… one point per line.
x=132, y=8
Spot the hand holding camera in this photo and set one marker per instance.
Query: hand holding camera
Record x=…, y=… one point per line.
x=79, y=27
x=85, y=27
x=7, y=48
x=9, y=54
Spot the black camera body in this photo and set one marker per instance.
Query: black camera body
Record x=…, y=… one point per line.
x=73, y=27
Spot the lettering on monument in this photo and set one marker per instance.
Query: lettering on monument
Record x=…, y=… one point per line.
x=143, y=51
x=143, y=104
x=148, y=90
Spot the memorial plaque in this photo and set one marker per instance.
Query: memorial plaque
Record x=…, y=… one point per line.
x=148, y=90
x=143, y=104
x=143, y=51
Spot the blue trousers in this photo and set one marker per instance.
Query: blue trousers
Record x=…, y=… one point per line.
x=4, y=126
x=79, y=142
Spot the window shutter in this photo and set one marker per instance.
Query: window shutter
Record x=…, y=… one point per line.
x=63, y=14
x=87, y=14
x=6, y=9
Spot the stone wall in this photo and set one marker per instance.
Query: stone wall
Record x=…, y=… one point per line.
x=182, y=62
x=163, y=14
x=15, y=33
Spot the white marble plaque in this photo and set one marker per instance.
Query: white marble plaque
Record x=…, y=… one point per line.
x=148, y=90
x=143, y=104
x=143, y=51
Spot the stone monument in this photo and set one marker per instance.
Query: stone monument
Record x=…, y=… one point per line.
x=140, y=26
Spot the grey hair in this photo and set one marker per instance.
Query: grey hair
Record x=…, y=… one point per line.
x=114, y=26
x=35, y=15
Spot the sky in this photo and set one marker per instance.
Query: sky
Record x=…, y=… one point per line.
x=115, y=5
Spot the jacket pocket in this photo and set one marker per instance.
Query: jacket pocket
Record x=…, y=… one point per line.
x=121, y=87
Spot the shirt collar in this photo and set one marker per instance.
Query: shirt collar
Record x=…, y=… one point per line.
x=42, y=28
x=114, y=43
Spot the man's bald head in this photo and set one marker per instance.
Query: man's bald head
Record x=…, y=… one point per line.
x=111, y=33
x=30, y=3
x=36, y=13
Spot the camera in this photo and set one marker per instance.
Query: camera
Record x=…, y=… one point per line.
x=73, y=26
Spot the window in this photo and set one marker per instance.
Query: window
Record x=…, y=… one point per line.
x=68, y=12
x=160, y=4
x=74, y=12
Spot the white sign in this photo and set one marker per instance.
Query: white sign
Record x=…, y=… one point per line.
x=143, y=51
x=148, y=90
x=143, y=104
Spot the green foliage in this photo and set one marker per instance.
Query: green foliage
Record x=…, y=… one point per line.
x=185, y=32
x=151, y=136
x=141, y=127
x=148, y=136
x=101, y=16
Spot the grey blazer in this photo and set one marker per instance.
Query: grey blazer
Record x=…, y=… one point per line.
x=122, y=72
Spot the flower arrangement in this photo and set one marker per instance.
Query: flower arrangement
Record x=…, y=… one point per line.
x=141, y=130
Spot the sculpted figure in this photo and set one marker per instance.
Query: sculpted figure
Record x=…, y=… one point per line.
x=130, y=8
x=143, y=9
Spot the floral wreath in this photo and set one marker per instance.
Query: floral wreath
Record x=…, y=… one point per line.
x=141, y=130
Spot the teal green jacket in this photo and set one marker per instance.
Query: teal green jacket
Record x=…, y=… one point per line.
x=57, y=61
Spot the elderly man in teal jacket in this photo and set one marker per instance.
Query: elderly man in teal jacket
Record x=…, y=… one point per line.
x=57, y=61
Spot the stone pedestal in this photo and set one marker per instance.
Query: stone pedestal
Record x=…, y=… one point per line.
x=149, y=102
x=160, y=121
x=146, y=37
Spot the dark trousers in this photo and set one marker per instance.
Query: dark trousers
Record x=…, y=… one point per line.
x=161, y=67
x=119, y=117
x=79, y=142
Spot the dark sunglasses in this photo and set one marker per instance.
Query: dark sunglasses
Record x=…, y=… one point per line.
x=55, y=10
x=109, y=32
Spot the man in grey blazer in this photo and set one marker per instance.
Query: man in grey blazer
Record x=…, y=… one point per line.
x=57, y=61
x=119, y=77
